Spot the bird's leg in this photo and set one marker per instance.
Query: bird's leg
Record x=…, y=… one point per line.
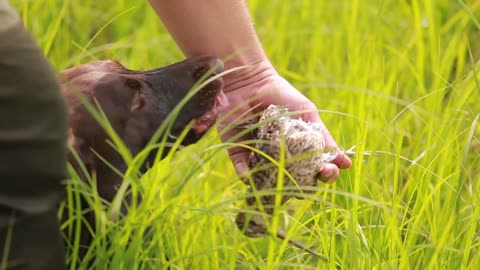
x=254, y=225
x=300, y=245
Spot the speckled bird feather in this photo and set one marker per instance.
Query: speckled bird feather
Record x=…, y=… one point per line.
x=304, y=148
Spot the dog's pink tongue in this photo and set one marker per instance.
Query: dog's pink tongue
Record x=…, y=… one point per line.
x=222, y=101
x=207, y=120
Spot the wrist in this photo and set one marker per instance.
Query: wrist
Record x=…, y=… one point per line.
x=257, y=71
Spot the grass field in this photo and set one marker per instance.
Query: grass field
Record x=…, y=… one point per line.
x=394, y=77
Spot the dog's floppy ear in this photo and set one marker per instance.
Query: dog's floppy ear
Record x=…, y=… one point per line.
x=138, y=100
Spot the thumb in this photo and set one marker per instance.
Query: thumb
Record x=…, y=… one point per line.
x=239, y=157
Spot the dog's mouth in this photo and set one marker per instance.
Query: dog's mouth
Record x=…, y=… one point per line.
x=203, y=123
x=204, y=107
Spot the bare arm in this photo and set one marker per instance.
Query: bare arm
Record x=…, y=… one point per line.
x=214, y=27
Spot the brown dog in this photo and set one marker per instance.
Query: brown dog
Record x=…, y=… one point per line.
x=136, y=103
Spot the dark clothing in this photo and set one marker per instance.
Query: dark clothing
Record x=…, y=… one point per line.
x=33, y=131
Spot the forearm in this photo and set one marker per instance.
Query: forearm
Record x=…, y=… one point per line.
x=219, y=28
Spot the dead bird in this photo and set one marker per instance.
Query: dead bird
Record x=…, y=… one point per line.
x=303, y=147
x=304, y=153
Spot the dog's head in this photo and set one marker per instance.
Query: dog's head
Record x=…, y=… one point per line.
x=166, y=87
x=169, y=85
x=139, y=101
x=136, y=103
x=151, y=95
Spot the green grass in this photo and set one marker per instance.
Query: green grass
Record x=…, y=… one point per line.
x=397, y=77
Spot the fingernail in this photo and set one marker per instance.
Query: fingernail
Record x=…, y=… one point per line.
x=242, y=169
x=327, y=175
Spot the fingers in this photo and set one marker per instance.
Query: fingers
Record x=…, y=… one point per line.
x=342, y=161
x=239, y=158
x=232, y=125
x=238, y=155
x=329, y=173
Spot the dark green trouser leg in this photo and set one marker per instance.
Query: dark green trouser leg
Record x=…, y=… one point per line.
x=32, y=154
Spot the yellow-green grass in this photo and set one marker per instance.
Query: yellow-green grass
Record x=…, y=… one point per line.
x=394, y=77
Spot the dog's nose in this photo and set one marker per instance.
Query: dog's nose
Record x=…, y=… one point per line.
x=208, y=65
x=217, y=65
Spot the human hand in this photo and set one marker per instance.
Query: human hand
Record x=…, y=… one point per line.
x=250, y=92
